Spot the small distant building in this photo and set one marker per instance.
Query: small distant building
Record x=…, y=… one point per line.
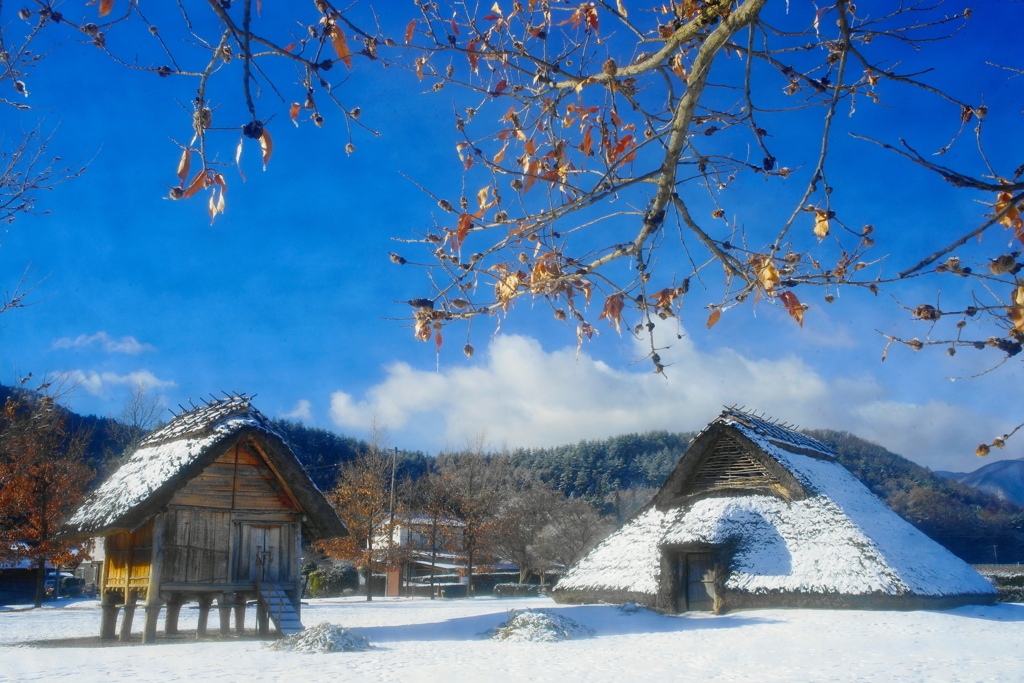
x=212, y=506
x=411, y=575
x=411, y=534
x=758, y=515
x=90, y=571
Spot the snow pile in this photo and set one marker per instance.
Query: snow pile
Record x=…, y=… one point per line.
x=322, y=638
x=539, y=626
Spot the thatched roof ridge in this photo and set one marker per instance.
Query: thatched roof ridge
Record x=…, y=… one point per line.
x=837, y=541
x=201, y=421
x=171, y=457
x=780, y=434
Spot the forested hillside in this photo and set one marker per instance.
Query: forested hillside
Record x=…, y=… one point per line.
x=596, y=469
x=96, y=430
x=618, y=473
x=323, y=452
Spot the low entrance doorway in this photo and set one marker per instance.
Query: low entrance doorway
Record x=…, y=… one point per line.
x=695, y=573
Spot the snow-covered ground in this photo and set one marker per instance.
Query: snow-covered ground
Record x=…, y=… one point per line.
x=422, y=640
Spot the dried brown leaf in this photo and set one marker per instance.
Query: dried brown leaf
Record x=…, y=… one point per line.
x=341, y=45
x=267, y=144
x=715, y=316
x=198, y=183
x=821, y=226
x=613, y=311
x=184, y=164
x=793, y=306
x=465, y=223
x=1016, y=312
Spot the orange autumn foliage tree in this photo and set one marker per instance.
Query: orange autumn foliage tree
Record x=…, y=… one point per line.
x=364, y=501
x=42, y=480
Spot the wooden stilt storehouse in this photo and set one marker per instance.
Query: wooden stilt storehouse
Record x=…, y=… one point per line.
x=213, y=506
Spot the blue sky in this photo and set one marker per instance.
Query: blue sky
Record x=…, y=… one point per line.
x=287, y=294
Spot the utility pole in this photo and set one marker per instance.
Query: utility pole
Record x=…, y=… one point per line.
x=391, y=525
x=394, y=460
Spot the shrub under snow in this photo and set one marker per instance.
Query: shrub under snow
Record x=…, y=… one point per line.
x=537, y=625
x=323, y=637
x=631, y=607
x=519, y=590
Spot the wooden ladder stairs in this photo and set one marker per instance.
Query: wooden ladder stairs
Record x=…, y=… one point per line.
x=279, y=607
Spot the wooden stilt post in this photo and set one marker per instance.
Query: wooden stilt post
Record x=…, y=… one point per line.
x=262, y=618
x=225, y=614
x=297, y=568
x=110, y=605
x=204, y=615
x=173, y=610
x=109, y=600
x=240, y=614
x=149, y=628
x=129, y=615
x=156, y=564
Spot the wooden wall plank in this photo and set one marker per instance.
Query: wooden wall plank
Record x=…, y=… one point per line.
x=251, y=485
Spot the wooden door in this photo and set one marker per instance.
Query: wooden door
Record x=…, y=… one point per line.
x=264, y=552
x=696, y=582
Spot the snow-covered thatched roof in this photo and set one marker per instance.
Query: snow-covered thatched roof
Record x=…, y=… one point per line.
x=170, y=457
x=808, y=527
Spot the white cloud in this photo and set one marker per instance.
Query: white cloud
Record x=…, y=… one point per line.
x=300, y=412
x=525, y=396
x=126, y=344
x=97, y=383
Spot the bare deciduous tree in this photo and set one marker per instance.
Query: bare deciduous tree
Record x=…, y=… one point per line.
x=526, y=514
x=477, y=481
x=139, y=415
x=429, y=497
x=575, y=529
x=625, y=502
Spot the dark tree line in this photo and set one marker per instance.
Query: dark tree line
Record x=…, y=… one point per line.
x=98, y=432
